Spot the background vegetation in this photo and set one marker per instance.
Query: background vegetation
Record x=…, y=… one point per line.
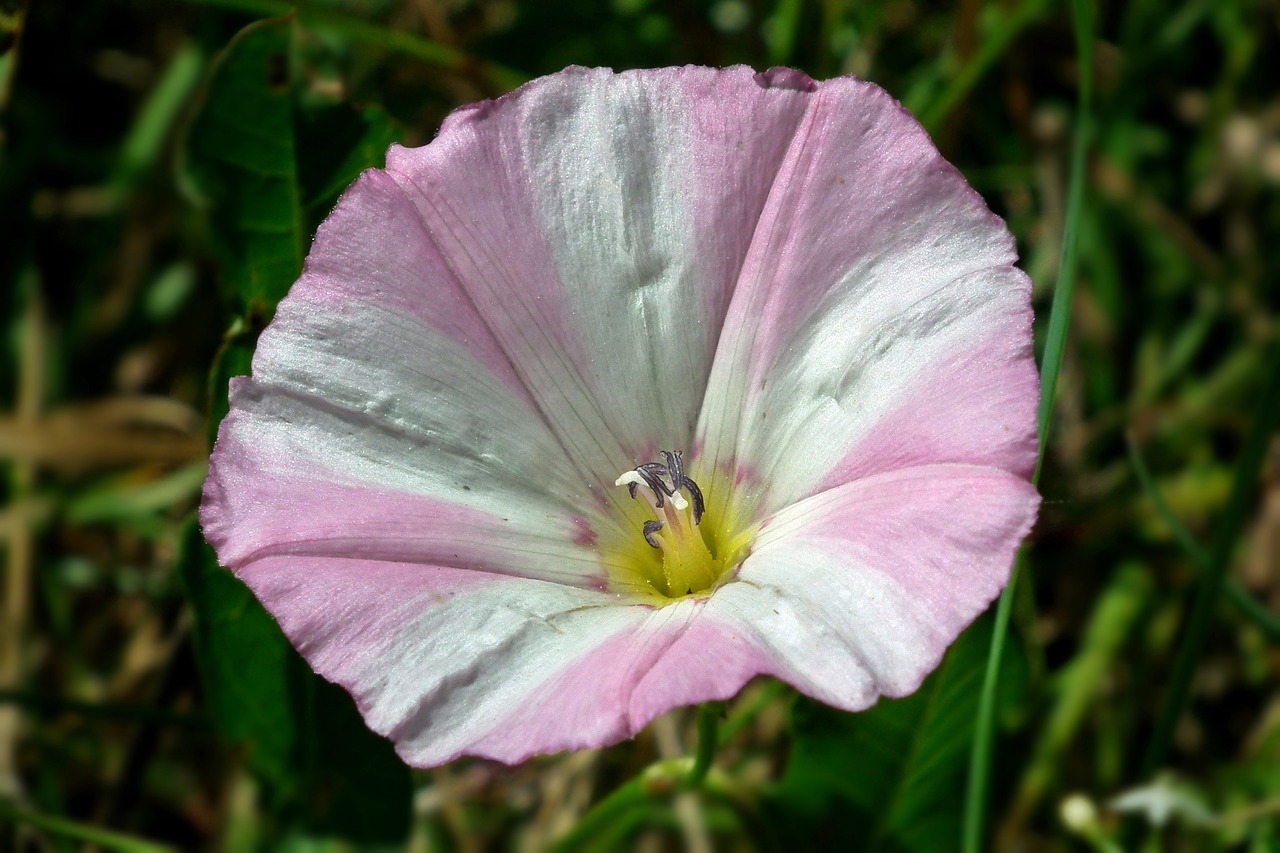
x=164, y=165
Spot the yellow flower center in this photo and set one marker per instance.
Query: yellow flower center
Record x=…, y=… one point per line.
x=681, y=550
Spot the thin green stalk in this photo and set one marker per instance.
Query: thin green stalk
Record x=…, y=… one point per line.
x=708, y=722
x=1185, y=540
x=1050, y=366
x=1211, y=581
x=1253, y=610
x=993, y=47
x=362, y=31
x=657, y=781
x=975, y=803
x=1064, y=289
x=102, y=838
x=743, y=716
x=160, y=112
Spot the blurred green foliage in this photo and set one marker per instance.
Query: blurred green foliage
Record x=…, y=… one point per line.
x=163, y=167
x=888, y=779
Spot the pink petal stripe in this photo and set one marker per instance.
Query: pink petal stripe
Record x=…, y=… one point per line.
x=709, y=661
x=374, y=249
x=480, y=213
x=291, y=476
x=438, y=658
x=947, y=533
x=864, y=177
x=857, y=592
x=975, y=408
x=677, y=656
x=869, y=241
x=301, y=514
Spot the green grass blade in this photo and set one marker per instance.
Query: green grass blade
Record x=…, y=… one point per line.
x=1079, y=683
x=1185, y=540
x=1064, y=288
x=993, y=47
x=1253, y=610
x=1050, y=366
x=91, y=835
x=160, y=113
x=360, y=31
x=1212, y=580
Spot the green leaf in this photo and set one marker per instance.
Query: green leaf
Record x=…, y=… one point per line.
x=890, y=778
x=324, y=771
x=359, y=789
x=270, y=162
x=242, y=159
x=336, y=143
x=245, y=663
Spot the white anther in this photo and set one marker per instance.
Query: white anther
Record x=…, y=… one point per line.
x=631, y=477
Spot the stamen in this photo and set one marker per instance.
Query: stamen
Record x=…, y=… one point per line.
x=688, y=563
x=675, y=467
x=650, y=528
x=699, y=506
x=651, y=474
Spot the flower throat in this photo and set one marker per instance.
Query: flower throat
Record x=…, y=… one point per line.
x=688, y=564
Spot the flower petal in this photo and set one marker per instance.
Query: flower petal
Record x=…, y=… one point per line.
x=856, y=593
x=876, y=277
x=439, y=659
x=598, y=222
x=383, y=421
x=543, y=668
x=288, y=477
x=851, y=595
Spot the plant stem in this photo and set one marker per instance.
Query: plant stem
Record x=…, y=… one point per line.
x=1050, y=366
x=708, y=723
x=655, y=781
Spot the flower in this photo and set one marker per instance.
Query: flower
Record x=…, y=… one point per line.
x=624, y=390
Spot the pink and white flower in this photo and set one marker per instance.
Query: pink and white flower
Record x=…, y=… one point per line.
x=446, y=477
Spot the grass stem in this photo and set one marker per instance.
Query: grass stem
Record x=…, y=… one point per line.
x=360, y=31
x=976, y=794
x=1243, y=491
